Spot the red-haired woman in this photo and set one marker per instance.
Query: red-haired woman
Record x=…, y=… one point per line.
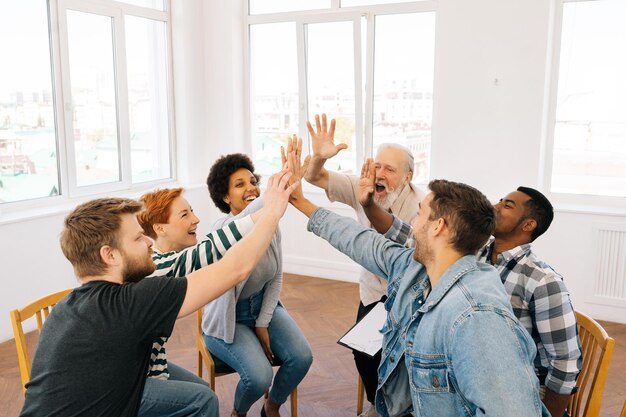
x=169, y=220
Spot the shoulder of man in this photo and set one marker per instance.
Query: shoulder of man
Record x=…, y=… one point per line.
x=534, y=268
x=407, y=204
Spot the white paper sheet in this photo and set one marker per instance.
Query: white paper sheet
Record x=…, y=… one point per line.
x=365, y=336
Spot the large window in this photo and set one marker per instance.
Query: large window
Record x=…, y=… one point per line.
x=369, y=66
x=589, y=148
x=84, y=97
x=28, y=145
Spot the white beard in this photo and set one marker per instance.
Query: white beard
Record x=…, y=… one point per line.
x=390, y=198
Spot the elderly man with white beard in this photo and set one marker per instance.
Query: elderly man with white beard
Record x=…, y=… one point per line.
x=394, y=192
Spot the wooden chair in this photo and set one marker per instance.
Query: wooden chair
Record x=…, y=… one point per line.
x=216, y=367
x=597, y=349
x=623, y=413
x=40, y=308
x=360, y=395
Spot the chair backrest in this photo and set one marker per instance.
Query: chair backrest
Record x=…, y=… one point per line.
x=597, y=349
x=623, y=413
x=40, y=309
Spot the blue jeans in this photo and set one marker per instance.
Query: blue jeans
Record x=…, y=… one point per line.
x=245, y=355
x=183, y=394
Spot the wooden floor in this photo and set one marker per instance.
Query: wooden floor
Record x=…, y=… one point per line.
x=324, y=309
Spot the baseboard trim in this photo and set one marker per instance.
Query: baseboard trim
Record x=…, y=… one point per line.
x=315, y=267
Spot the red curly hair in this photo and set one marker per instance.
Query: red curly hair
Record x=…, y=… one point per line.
x=157, y=208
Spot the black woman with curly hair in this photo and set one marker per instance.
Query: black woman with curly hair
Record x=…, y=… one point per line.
x=247, y=327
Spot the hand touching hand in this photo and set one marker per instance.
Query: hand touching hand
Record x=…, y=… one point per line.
x=322, y=138
x=294, y=145
x=297, y=171
x=366, y=183
x=277, y=193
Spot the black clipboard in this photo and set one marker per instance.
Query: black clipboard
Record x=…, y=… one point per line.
x=365, y=335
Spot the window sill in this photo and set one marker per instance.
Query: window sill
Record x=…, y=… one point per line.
x=597, y=210
x=53, y=206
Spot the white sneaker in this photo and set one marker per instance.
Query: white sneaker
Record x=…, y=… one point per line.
x=371, y=412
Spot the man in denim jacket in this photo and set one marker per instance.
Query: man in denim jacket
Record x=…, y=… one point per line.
x=452, y=345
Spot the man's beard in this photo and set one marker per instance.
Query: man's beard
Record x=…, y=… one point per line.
x=137, y=269
x=391, y=197
x=511, y=231
x=423, y=252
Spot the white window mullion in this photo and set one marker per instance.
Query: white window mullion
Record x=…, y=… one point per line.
x=59, y=98
x=123, y=123
x=550, y=124
x=66, y=105
x=358, y=93
x=369, y=87
x=170, y=97
x=248, y=109
x=303, y=113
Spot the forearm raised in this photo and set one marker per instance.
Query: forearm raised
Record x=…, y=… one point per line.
x=380, y=219
x=304, y=205
x=213, y=247
x=212, y=281
x=363, y=245
x=316, y=174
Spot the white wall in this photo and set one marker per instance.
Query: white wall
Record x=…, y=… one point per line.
x=487, y=133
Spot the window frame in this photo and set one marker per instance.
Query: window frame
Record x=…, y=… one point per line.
x=70, y=193
x=570, y=202
x=364, y=86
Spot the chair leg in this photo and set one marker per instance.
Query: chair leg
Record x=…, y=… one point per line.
x=212, y=381
x=294, y=402
x=360, y=396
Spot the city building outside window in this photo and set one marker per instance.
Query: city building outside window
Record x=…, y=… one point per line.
x=87, y=108
x=366, y=64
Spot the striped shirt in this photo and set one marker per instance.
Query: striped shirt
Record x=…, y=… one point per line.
x=542, y=304
x=180, y=264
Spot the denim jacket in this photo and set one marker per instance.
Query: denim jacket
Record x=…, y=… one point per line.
x=462, y=351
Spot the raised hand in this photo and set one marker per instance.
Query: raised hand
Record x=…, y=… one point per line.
x=277, y=193
x=323, y=138
x=294, y=145
x=297, y=170
x=366, y=183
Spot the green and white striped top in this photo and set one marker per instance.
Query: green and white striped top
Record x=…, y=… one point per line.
x=179, y=264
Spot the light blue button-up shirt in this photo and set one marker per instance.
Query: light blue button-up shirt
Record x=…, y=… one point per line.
x=460, y=351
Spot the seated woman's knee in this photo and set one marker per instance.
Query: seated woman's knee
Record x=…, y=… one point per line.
x=259, y=379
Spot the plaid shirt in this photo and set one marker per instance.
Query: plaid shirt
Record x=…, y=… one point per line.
x=541, y=303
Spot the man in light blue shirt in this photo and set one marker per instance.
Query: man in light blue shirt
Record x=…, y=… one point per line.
x=451, y=345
